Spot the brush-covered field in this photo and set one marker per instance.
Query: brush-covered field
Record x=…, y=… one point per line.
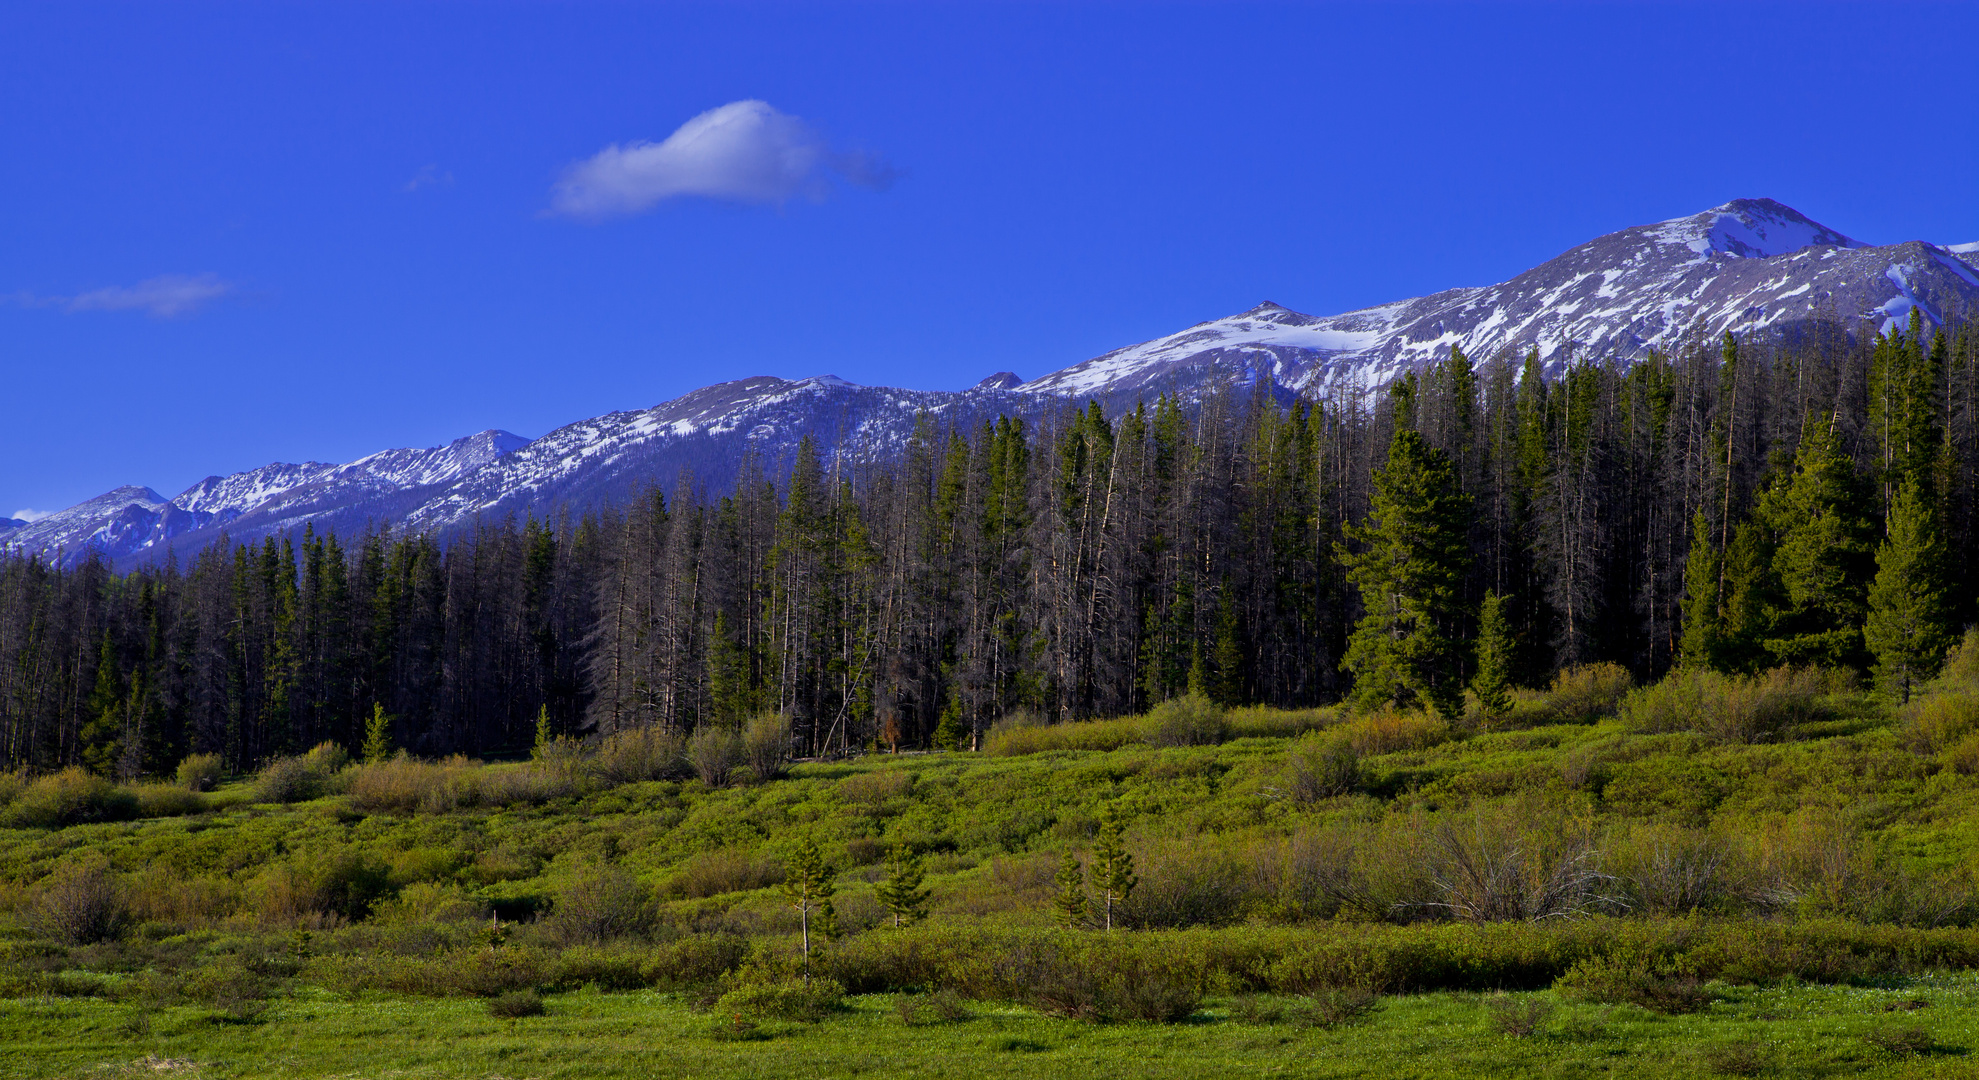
x=1768, y=875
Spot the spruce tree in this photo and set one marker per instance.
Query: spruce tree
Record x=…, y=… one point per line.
x=545, y=734
x=1699, y=650
x=1414, y=553
x=1070, y=902
x=377, y=735
x=1824, y=558
x=807, y=885
x=1113, y=865
x=1493, y=682
x=1226, y=686
x=901, y=891
x=100, y=734
x=1909, y=627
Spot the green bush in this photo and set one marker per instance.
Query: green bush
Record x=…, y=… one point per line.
x=69, y=797
x=766, y=745
x=785, y=998
x=1081, y=735
x=1580, y=694
x=647, y=752
x=1190, y=720
x=1320, y=767
x=167, y=800
x=1636, y=977
x=1730, y=708
x=937, y=1007
x=715, y=752
x=199, y=772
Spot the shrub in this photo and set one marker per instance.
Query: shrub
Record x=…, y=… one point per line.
x=1671, y=870
x=1520, y=1018
x=1189, y=720
x=1264, y=722
x=1082, y=735
x=600, y=902
x=694, y=960
x=1337, y=1006
x=1636, y=977
x=872, y=790
x=342, y=883
x=1097, y=980
x=1938, y=721
x=1588, y=691
x=727, y=870
x=404, y=785
x=1731, y=708
x=785, y=998
x=70, y=797
x=515, y=1005
x=167, y=800
x=1320, y=767
x=715, y=752
x=82, y=903
x=647, y=752
x=199, y=772
x=531, y=783
x=1389, y=731
x=11, y=786
x=766, y=745
x=1512, y=862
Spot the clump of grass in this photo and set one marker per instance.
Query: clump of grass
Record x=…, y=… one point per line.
x=1517, y=1017
x=937, y=1007
x=515, y=1005
x=1744, y=1057
x=1904, y=1041
x=1635, y=977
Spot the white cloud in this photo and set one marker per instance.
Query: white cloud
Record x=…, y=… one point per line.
x=745, y=151
x=429, y=176
x=32, y=515
x=165, y=296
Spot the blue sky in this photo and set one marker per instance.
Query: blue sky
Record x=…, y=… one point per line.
x=234, y=234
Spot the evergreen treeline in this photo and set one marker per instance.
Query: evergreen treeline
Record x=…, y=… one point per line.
x=1733, y=507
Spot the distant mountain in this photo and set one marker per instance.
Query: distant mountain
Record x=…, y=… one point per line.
x=131, y=523
x=1752, y=266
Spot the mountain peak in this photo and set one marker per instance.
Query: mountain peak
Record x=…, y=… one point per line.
x=1002, y=380
x=1747, y=229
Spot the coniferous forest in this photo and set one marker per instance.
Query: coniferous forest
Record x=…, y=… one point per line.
x=1737, y=506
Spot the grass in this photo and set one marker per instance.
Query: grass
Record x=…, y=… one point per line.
x=1795, y=1031
x=260, y=928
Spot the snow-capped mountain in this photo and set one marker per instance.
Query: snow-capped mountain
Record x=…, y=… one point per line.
x=131, y=523
x=1749, y=266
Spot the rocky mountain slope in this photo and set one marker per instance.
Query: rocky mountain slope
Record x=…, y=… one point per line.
x=1749, y=266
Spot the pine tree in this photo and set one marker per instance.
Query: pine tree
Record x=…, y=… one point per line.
x=1699, y=650
x=901, y=891
x=1226, y=686
x=949, y=731
x=1414, y=555
x=1493, y=682
x=807, y=885
x=377, y=735
x=1070, y=903
x=1824, y=557
x=1909, y=627
x=1113, y=865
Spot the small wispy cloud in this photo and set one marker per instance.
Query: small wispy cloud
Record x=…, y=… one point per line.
x=429, y=176
x=31, y=515
x=166, y=296
x=745, y=151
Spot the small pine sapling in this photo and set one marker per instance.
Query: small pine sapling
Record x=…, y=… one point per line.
x=902, y=892
x=1070, y=903
x=378, y=735
x=545, y=734
x=807, y=884
x=1113, y=865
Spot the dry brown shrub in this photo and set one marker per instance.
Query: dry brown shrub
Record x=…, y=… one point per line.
x=715, y=752
x=647, y=752
x=1588, y=691
x=83, y=902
